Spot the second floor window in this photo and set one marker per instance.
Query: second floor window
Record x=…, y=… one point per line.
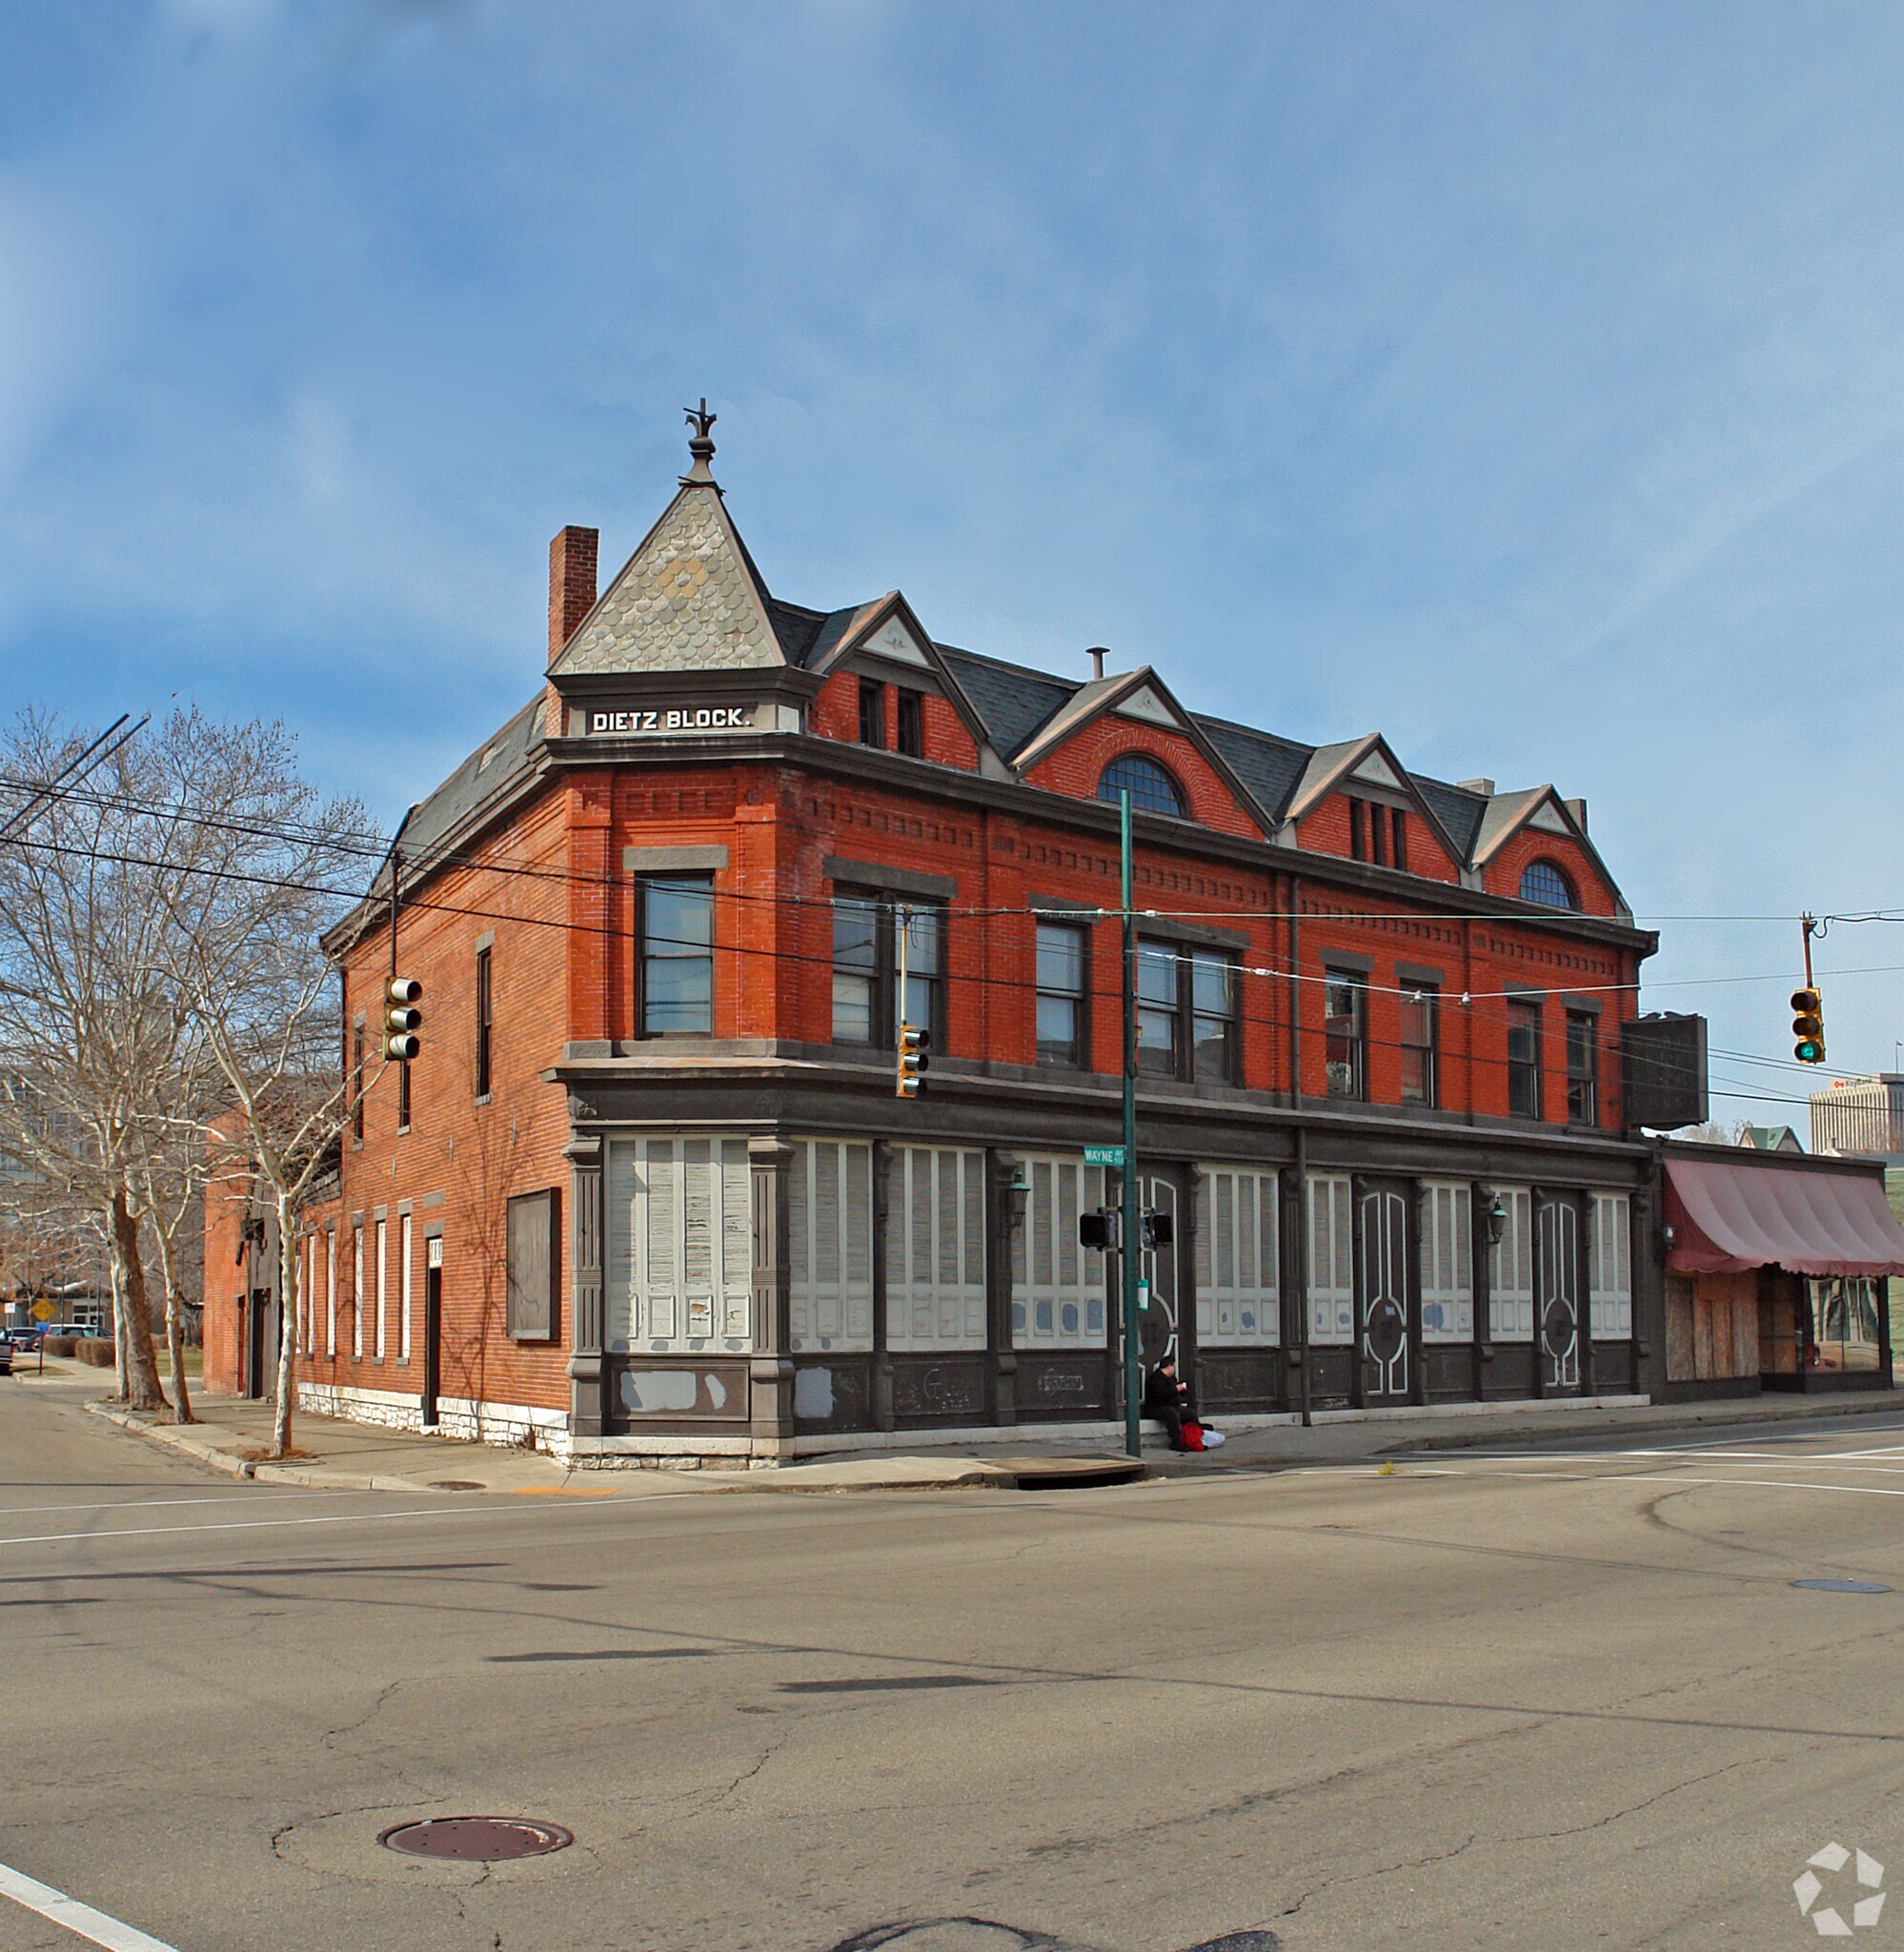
x=1060, y=993
x=357, y=1081
x=1419, y=1009
x=485, y=1022
x=1346, y=1033
x=1151, y=789
x=1582, y=1067
x=866, y=944
x=1186, y=1007
x=403, y=1097
x=675, y=955
x=911, y=724
x=1523, y=1096
x=872, y=712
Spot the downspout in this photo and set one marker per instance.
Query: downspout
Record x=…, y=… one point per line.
x=1302, y=1156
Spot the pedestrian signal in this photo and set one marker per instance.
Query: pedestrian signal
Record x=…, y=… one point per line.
x=1808, y=1025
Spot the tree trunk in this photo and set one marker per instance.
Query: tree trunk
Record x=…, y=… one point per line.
x=174, y=1333
x=119, y=1336
x=142, y=1378
x=287, y=1320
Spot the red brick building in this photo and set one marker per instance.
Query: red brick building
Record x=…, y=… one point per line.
x=648, y=1190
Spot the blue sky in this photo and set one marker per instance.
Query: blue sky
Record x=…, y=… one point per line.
x=1522, y=382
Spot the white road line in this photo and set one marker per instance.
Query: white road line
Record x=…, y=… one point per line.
x=657, y=1497
x=230, y=1497
x=75, y=1917
x=1869, y=1491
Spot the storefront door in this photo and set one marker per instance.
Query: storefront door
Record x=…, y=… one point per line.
x=1382, y=1280
x=1164, y=1326
x=1557, y=1292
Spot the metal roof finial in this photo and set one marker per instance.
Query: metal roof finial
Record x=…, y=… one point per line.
x=699, y=446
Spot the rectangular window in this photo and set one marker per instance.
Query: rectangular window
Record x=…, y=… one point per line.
x=1582, y=1067
x=1237, y=1289
x=1420, y=1009
x=911, y=724
x=1448, y=1261
x=403, y=1097
x=1378, y=835
x=1158, y=1050
x=1510, y=1268
x=1331, y=1259
x=533, y=1255
x=307, y=1295
x=1186, y=1009
x=1357, y=845
x=403, y=1289
x=1610, y=1267
x=680, y=1270
x=936, y=1248
x=331, y=1291
x=830, y=1246
x=868, y=929
x=1062, y=1023
x=1346, y=1033
x=1058, y=1297
x=357, y=1081
x=484, y=1022
x=1523, y=1095
x=1399, y=823
x=872, y=712
x=675, y=955
x=382, y=1281
x=1844, y=1322
x=357, y=1295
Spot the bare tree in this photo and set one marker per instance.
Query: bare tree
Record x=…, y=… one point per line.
x=265, y=1001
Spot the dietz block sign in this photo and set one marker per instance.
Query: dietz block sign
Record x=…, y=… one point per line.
x=671, y=721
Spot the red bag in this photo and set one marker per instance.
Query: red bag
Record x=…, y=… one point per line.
x=1194, y=1435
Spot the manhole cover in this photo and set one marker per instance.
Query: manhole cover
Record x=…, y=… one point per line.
x=457, y=1484
x=476, y=1840
x=1841, y=1586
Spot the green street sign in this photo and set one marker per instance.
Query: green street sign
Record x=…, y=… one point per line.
x=1104, y=1155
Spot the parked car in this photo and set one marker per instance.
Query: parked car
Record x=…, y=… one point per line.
x=25, y=1338
x=5, y=1357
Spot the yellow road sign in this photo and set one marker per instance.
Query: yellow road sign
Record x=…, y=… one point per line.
x=44, y=1311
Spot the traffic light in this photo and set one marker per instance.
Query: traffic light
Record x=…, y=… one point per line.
x=1098, y=1229
x=912, y=1059
x=1808, y=1025
x=401, y=1019
x=1159, y=1229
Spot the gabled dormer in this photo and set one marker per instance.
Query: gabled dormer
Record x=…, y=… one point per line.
x=1533, y=845
x=1127, y=730
x=1356, y=799
x=884, y=683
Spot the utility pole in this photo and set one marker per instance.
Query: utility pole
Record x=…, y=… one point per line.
x=1129, y=1233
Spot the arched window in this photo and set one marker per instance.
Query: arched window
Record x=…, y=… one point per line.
x=1151, y=789
x=1543, y=881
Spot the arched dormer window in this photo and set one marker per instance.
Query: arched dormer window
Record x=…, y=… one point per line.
x=1151, y=789
x=1548, y=884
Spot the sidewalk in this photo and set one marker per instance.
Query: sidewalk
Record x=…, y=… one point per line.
x=233, y=1436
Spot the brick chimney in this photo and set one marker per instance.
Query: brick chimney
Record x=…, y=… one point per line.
x=572, y=558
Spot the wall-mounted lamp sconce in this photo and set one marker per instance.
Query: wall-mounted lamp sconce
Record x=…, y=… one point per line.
x=1495, y=1215
x=1021, y=1191
x=1667, y=1233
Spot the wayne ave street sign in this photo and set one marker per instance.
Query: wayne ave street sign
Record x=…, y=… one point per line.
x=1104, y=1155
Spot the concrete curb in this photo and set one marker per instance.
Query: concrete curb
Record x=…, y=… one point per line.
x=1677, y=1417
x=173, y=1436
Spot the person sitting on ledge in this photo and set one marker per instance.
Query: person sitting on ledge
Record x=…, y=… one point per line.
x=1167, y=1397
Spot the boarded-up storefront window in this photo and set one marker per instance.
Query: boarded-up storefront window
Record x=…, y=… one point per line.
x=533, y=1260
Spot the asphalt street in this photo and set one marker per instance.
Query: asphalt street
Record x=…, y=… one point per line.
x=1538, y=1697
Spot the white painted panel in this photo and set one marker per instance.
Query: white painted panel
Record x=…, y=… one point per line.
x=1448, y=1261
x=1331, y=1259
x=830, y=1196
x=936, y=1248
x=1235, y=1264
x=1510, y=1272
x=1610, y=1267
x=679, y=1240
x=1058, y=1295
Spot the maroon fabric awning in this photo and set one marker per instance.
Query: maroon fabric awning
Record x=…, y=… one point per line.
x=1727, y=1219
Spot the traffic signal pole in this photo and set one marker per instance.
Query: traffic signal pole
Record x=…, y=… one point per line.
x=1131, y=1231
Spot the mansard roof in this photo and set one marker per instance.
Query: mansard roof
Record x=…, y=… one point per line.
x=691, y=599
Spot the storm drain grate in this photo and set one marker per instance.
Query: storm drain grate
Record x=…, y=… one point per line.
x=457, y=1484
x=476, y=1840
x=1841, y=1586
